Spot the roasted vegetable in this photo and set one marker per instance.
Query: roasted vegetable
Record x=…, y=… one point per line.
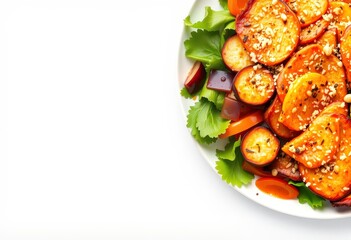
x=254, y=85
x=285, y=166
x=271, y=117
x=318, y=144
x=312, y=59
x=234, y=55
x=259, y=146
x=332, y=181
x=308, y=11
x=195, y=78
x=308, y=95
x=345, y=51
x=341, y=13
x=313, y=31
x=269, y=30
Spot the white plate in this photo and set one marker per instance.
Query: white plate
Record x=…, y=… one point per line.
x=290, y=207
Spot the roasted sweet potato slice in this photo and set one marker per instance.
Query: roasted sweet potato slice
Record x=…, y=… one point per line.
x=259, y=146
x=271, y=117
x=254, y=86
x=269, y=30
x=341, y=12
x=234, y=54
x=344, y=202
x=312, y=58
x=328, y=41
x=318, y=144
x=313, y=31
x=308, y=95
x=332, y=181
x=285, y=166
x=345, y=51
x=308, y=11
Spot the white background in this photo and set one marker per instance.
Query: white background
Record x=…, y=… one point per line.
x=93, y=143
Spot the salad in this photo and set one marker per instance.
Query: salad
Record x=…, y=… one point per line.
x=269, y=83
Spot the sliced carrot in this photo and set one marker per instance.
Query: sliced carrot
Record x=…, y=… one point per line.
x=277, y=187
x=345, y=51
x=236, y=6
x=313, y=31
x=243, y=124
x=341, y=16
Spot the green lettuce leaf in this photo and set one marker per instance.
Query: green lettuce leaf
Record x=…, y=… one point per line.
x=231, y=171
x=227, y=32
x=224, y=4
x=205, y=122
x=184, y=93
x=213, y=20
x=209, y=120
x=216, y=97
x=205, y=46
x=229, y=151
x=307, y=196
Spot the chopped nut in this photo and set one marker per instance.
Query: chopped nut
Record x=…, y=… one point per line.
x=347, y=98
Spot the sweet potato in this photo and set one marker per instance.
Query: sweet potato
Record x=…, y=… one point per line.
x=318, y=144
x=313, y=31
x=308, y=11
x=254, y=86
x=328, y=41
x=312, y=58
x=271, y=117
x=259, y=146
x=345, y=51
x=269, y=30
x=308, y=95
x=341, y=12
x=234, y=55
x=344, y=202
x=285, y=166
x=332, y=181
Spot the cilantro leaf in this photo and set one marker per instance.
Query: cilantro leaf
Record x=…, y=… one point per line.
x=213, y=20
x=184, y=93
x=224, y=4
x=209, y=120
x=229, y=151
x=232, y=171
x=205, y=46
x=307, y=196
x=192, y=116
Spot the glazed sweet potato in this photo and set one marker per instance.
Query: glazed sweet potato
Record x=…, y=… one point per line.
x=270, y=32
x=312, y=59
x=345, y=51
x=328, y=41
x=271, y=117
x=313, y=31
x=344, y=202
x=341, y=12
x=332, y=181
x=259, y=146
x=285, y=166
x=308, y=95
x=318, y=144
x=254, y=86
x=234, y=55
x=308, y=11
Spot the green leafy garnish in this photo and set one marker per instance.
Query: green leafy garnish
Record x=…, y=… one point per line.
x=224, y=4
x=307, y=196
x=213, y=20
x=205, y=46
x=205, y=122
x=216, y=97
x=184, y=93
x=229, y=165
